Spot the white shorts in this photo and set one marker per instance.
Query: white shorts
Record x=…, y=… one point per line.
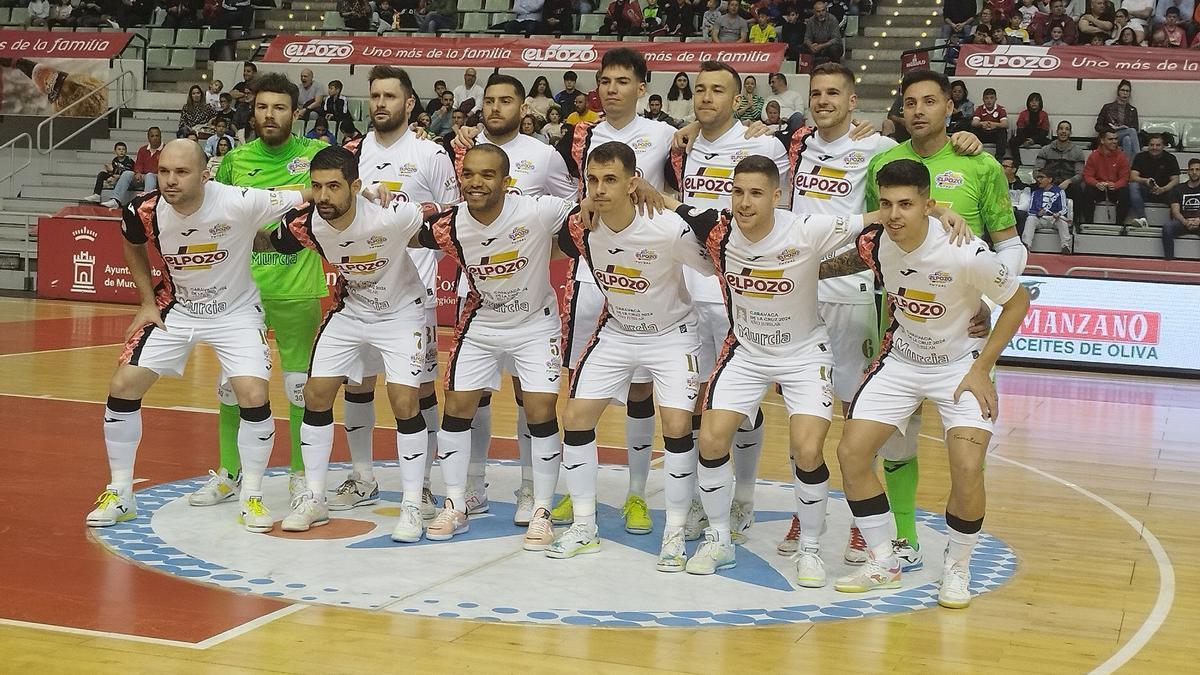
x=239, y=340
x=583, y=313
x=345, y=345
x=533, y=353
x=431, y=343
x=894, y=389
x=739, y=383
x=373, y=362
x=714, y=328
x=609, y=361
x=852, y=336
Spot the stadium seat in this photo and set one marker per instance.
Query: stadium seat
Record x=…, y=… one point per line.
x=211, y=35
x=1191, y=136
x=188, y=37
x=1160, y=126
x=635, y=38
x=62, y=29
x=501, y=17
x=183, y=57
x=1106, y=214
x=333, y=20
x=18, y=16
x=5, y=13
x=162, y=37
x=1158, y=215
x=469, y=5
x=158, y=57
x=475, y=22
x=589, y=24
x=497, y=5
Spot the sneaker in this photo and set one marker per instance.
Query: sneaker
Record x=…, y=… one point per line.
x=540, y=534
x=577, y=539
x=1066, y=250
x=354, y=491
x=791, y=540
x=111, y=204
x=221, y=487
x=741, y=517
x=411, y=526
x=448, y=522
x=1141, y=222
x=856, y=548
x=810, y=569
x=296, y=484
x=696, y=522
x=637, y=515
x=871, y=576
x=93, y=198
x=672, y=557
x=112, y=507
x=910, y=558
x=712, y=556
x=256, y=516
x=563, y=513
x=524, y=510
x=307, y=511
x=429, y=507
x=476, y=500
x=955, y=592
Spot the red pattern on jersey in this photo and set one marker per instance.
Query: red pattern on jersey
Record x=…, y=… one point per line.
x=796, y=148
x=868, y=249
x=581, y=139
x=164, y=292
x=443, y=234
x=470, y=305
x=299, y=224
x=676, y=159
x=565, y=311
x=575, y=368
x=355, y=145
x=460, y=153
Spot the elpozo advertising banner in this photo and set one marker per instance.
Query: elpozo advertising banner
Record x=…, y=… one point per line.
x=1084, y=62
x=1133, y=325
x=515, y=52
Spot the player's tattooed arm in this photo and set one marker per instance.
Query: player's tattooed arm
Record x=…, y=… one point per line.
x=849, y=262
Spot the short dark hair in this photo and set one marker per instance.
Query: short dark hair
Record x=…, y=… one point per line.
x=655, y=97
x=1154, y=136
x=918, y=76
x=1171, y=10
x=391, y=73
x=225, y=97
x=1194, y=160
x=120, y=144
x=1066, y=122
x=336, y=83
x=570, y=75
x=722, y=67
x=490, y=149
x=250, y=65
x=220, y=120
x=834, y=68
x=781, y=76
x=276, y=83
x=441, y=82
x=627, y=58
x=904, y=173
x=761, y=165
x=498, y=79
x=614, y=151
x=336, y=157
x=154, y=129
x=347, y=127
x=989, y=91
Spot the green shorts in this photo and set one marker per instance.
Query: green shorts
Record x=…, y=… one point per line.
x=295, y=323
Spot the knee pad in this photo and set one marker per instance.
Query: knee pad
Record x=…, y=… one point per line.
x=225, y=393
x=293, y=386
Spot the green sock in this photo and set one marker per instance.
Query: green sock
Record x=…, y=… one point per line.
x=295, y=417
x=227, y=432
x=901, y=478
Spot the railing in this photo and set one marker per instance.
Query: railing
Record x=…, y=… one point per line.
x=1115, y=270
x=11, y=178
x=124, y=97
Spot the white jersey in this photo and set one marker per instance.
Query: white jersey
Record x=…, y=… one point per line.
x=705, y=178
x=534, y=168
x=831, y=178
x=207, y=254
x=640, y=270
x=934, y=292
x=377, y=279
x=771, y=285
x=508, y=261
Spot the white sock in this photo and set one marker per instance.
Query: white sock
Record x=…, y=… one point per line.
x=411, y=448
x=525, y=448
x=481, y=440
x=878, y=530
x=360, y=428
x=122, y=433
x=316, y=443
x=455, y=448
x=716, y=495
x=747, y=449
x=255, y=441
x=679, y=484
x=639, y=436
x=580, y=466
x=547, y=455
x=961, y=544
x=431, y=436
x=811, y=498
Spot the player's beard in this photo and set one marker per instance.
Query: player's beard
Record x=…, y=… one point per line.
x=503, y=127
x=272, y=137
x=332, y=211
x=393, y=123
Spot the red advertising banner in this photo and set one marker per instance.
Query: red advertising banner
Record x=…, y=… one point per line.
x=85, y=260
x=914, y=61
x=50, y=45
x=1100, y=63
x=515, y=52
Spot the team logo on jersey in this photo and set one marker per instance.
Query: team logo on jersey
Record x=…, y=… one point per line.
x=646, y=255
x=948, y=180
x=367, y=263
x=1001, y=276
x=406, y=169
x=940, y=279
x=642, y=143
x=218, y=230
x=739, y=156
x=510, y=186
x=196, y=257
x=789, y=254
x=524, y=166
x=519, y=233
x=619, y=279
x=759, y=283
x=823, y=183
x=854, y=158
x=712, y=182
x=298, y=165
x=920, y=306
x=499, y=266
x=376, y=241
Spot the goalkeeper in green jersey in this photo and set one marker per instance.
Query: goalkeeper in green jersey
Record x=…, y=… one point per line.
x=291, y=285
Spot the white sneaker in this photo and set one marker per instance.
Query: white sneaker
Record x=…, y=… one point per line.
x=296, y=484
x=111, y=204
x=540, y=533
x=477, y=501
x=1141, y=223
x=910, y=558
x=712, y=556
x=221, y=487
x=524, y=510
x=256, y=516
x=411, y=526
x=448, y=522
x=93, y=198
x=308, y=510
x=429, y=507
x=955, y=592
x=856, y=549
x=697, y=520
x=871, y=576
x=741, y=517
x=354, y=492
x=578, y=539
x=112, y=507
x=672, y=557
x=810, y=569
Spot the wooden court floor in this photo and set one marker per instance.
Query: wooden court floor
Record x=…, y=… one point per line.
x=1094, y=483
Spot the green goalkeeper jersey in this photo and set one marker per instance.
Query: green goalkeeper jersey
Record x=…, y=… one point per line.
x=279, y=276
x=973, y=185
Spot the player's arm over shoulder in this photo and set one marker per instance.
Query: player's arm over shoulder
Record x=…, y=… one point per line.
x=987, y=272
x=701, y=223
x=553, y=211
x=294, y=233
x=260, y=207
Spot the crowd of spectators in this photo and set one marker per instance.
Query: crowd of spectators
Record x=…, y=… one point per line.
x=1134, y=23
x=129, y=13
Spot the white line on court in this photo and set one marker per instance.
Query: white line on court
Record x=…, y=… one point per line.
x=63, y=349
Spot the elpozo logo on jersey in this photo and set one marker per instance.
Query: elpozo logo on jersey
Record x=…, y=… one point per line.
x=196, y=257
x=622, y=280
x=919, y=306
x=948, y=180
x=499, y=266
x=367, y=263
x=560, y=56
x=298, y=165
x=712, y=182
x=825, y=183
x=319, y=51
x=524, y=166
x=759, y=283
x=1014, y=61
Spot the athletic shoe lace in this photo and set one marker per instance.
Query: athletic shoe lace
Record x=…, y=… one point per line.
x=579, y=532
x=300, y=499
x=254, y=506
x=107, y=499
x=427, y=497
x=444, y=518
x=541, y=526
x=959, y=579
x=214, y=481
x=793, y=533
x=347, y=487
x=856, y=540
x=635, y=506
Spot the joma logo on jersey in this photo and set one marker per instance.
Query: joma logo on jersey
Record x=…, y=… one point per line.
x=196, y=257
x=711, y=183
x=824, y=184
x=361, y=264
x=622, y=280
x=499, y=266
x=918, y=305
x=759, y=283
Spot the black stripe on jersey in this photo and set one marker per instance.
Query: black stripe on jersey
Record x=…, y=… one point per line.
x=719, y=263
x=577, y=371
x=732, y=342
x=464, y=322
x=339, y=295
x=572, y=267
x=164, y=292
x=885, y=348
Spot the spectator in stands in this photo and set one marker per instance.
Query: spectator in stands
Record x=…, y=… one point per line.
x=435, y=101
x=527, y=17
x=441, y=120
x=1123, y=33
x=420, y=126
x=1141, y=15
x=1185, y=210
x=468, y=96
x=1121, y=118
x=225, y=110
x=1056, y=38
x=1048, y=207
x=182, y=14
x=529, y=127
x=195, y=111
x=1033, y=126
x=985, y=21
x=439, y=15
x=730, y=26
x=566, y=98
x=224, y=145
x=1159, y=39
x=1184, y=7
x=320, y=131
x=964, y=109
x=1018, y=191
x=121, y=162
x=356, y=14
x=958, y=18
x=385, y=17
x=312, y=95
x=654, y=111
x=144, y=173
x=581, y=112
x=893, y=125
x=775, y=123
x=1127, y=38
x=1105, y=177
x=709, y=21
x=653, y=17
x=335, y=107
x=791, y=33
x=1016, y=33
x=1000, y=36
x=679, y=100
x=623, y=17
x=243, y=95
x=457, y=119
x=1029, y=10
x=553, y=128
x=38, y=14
x=60, y=13
x=349, y=131
x=822, y=35
x=1098, y=20
x=213, y=96
x=539, y=101
x=750, y=105
x=1001, y=9
x=558, y=17
x=235, y=13
x=791, y=103
x=1152, y=177
x=220, y=131
x=1063, y=161
x=1045, y=24
x=1176, y=36
x=763, y=31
